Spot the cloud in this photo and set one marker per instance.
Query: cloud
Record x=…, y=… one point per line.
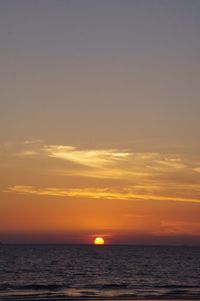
x=128, y=193
x=136, y=175
x=197, y=169
x=101, y=158
x=171, y=162
x=91, y=158
x=33, y=141
x=103, y=163
x=113, y=163
x=26, y=153
x=174, y=227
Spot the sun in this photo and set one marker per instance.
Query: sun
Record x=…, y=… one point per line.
x=99, y=241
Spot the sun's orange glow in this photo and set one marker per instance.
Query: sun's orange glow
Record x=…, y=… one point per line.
x=99, y=241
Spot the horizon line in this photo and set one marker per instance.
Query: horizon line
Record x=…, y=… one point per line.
x=97, y=246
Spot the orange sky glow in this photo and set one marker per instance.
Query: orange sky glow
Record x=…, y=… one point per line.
x=100, y=122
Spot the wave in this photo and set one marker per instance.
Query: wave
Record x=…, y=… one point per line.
x=108, y=286
x=56, y=292
x=33, y=287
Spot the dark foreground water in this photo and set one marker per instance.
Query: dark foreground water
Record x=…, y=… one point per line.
x=61, y=272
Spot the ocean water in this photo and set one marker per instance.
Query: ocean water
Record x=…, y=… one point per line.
x=62, y=272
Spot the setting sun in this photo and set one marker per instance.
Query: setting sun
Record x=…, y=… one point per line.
x=99, y=241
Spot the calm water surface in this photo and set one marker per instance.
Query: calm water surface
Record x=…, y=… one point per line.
x=61, y=272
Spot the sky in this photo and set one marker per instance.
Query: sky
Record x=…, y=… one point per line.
x=99, y=121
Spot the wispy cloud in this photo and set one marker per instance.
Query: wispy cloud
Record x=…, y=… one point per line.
x=90, y=158
x=101, y=158
x=102, y=163
x=174, y=227
x=128, y=193
x=114, y=163
x=197, y=169
x=26, y=153
x=33, y=141
x=136, y=175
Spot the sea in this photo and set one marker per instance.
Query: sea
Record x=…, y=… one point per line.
x=86, y=272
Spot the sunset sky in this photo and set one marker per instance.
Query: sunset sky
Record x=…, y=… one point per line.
x=100, y=121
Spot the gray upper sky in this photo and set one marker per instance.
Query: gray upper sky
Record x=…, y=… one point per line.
x=101, y=73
